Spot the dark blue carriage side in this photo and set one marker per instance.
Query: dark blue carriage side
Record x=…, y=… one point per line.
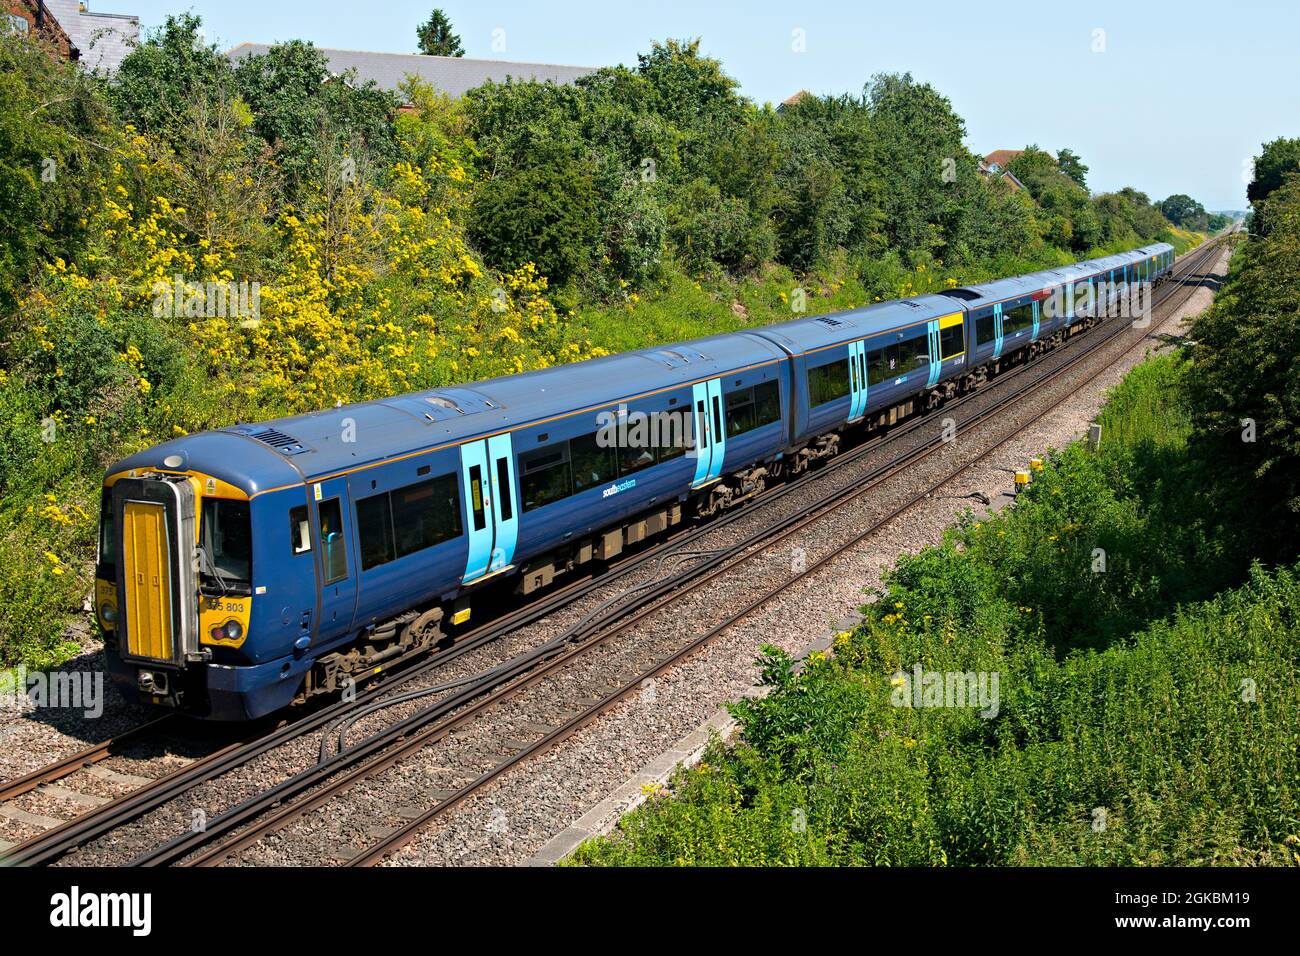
x=1155, y=261
x=849, y=365
x=513, y=424
x=1003, y=316
x=1010, y=315
x=649, y=405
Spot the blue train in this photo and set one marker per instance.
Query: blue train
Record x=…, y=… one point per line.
x=245, y=569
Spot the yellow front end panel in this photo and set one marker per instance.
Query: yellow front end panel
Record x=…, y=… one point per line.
x=147, y=573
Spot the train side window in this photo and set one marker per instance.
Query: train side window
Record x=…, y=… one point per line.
x=1017, y=319
x=545, y=476
x=634, y=458
x=701, y=426
x=952, y=340
x=505, y=504
x=334, y=549
x=425, y=514
x=828, y=382
x=878, y=367
x=1082, y=297
x=984, y=329
x=913, y=353
x=673, y=430
x=638, y=446
x=478, y=510
x=740, y=412
x=375, y=531
x=107, y=537
x=767, y=404
x=299, y=530
x=592, y=464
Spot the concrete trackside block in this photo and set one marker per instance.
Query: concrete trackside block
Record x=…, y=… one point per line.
x=114, y=776
x=19, y=815
x=89, y=800
x=604, y=816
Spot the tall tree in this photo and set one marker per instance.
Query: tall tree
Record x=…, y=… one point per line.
x=436, y=38
x=1276, y=160
x=55, y=140
x=1244, y=388
x=1182, y=210
x=1073, y=166
x=165, y=73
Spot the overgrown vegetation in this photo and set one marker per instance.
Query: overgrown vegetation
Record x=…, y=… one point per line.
x=524, y=226
x=1147, y=697
x=1246, y=383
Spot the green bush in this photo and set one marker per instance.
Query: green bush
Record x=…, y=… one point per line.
x=1245, y=390
x=546, y=214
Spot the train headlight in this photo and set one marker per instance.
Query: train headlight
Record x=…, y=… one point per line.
x=108, y=613
x=233, y=630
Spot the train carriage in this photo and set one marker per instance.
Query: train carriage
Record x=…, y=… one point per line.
x=311, y=532
x=248, y=567
x=868, y=365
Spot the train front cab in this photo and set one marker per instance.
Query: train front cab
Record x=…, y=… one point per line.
x=174, y=597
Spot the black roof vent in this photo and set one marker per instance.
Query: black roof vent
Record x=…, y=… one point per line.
x=965, y=294
x=284, y=444
x=827, y=320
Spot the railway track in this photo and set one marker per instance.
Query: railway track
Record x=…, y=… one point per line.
x=80, y=760
x=301, y=794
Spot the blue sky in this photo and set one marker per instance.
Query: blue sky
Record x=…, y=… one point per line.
x=1016, y=72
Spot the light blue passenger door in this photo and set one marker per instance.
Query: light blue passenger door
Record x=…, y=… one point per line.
x=936, y=357
x=857, y=380
x=490, y=491
x=505, y=500
x=710, y=429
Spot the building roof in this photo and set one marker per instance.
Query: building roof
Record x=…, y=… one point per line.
x=1000, y=157
x=102, y=40
x=791, y=100
x=32, y=16
x=453, y=75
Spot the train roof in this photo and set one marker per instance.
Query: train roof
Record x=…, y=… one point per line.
x=1155, y=248
x=310, y=446
x=820, y=331
x=986, y=293
x=999, y=290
